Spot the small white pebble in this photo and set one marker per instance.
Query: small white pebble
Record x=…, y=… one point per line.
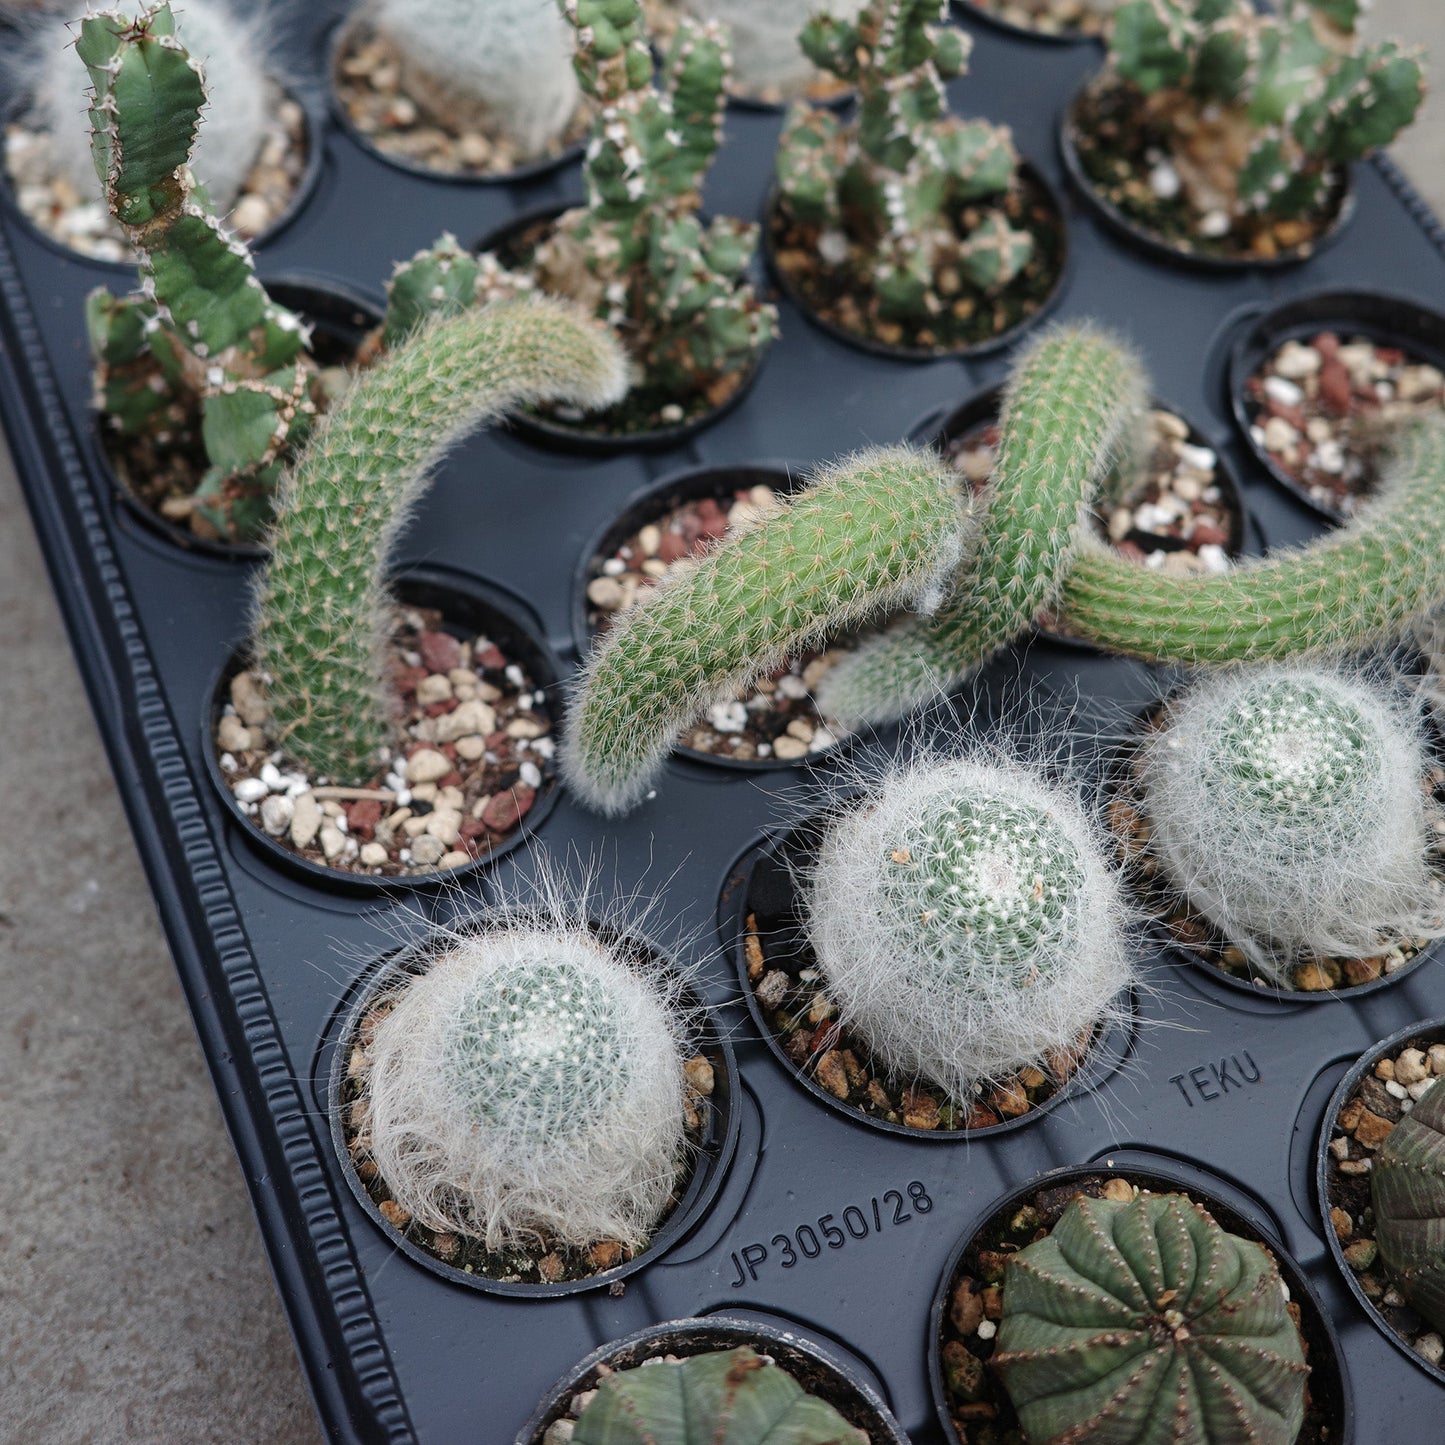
x=1164, y=181
x=250, y=790
x=987, y=1329
x=1396, y=1091
x=531, y=774
x=728, y=717
x=1284, y=391
x=1214, y=557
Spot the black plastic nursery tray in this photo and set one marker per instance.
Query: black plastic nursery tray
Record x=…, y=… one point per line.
x=1215, y=1080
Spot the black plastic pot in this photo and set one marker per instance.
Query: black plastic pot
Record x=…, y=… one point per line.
x=709, y=1168
x=764, y=884
x=468, y=606
x=821, y=1372
x=1431, y=1031
x=1032, y=178
x=1385, y=317
x=1328, y=1384
x=1023, y=32
x=1155, y=246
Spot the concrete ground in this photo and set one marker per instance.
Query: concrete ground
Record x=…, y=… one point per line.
x=137, y=1303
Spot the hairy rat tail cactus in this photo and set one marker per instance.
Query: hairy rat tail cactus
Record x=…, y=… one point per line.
x=507, y=63
x=763, y=37
x=731, y=1395
x=967, y=923
x=1407, y=1188
x=323, y=612
x=878, y=531
x=1287, y=805
x=531, y=1078
x=1144, y=1322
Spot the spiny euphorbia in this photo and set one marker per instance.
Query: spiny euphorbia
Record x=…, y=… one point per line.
x=764, y=38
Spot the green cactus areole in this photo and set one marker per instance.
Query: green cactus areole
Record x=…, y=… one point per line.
x=1407, y=1188
x=1145, y=1323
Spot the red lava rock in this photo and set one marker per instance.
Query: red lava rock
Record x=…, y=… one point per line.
x=1131, y=550
x=405, y=679
x=1335, y=388
x=1206, y=535
x=497, y=741
x=1390, y=355
x=1327, y=344
x=490, y=656
x=671, y=548
x=362, y=818
x=436, y=709
x=712, y=520
x=506, y=810
x=439, y=651
x=473, y=828
x=1294, y=415
x=825, y=1036
x=452, y=779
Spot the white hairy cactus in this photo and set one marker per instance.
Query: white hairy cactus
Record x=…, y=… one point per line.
x=764, y=38
x=967, y=922
x=531, y=1079
x=240, y=96
x=505, y=62
x=1286, y=805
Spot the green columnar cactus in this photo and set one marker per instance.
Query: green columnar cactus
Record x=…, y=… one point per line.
x=967, y=923
x=731, y=1395
x=1258, y=108
x=1145, y=1322
x=1285, y=803
x=898, y=181
x=442, y=280
x=323, y=612
x=531, y=1078
x=201, y=350
x=1407, y=1187
x=880, y=530
x=1073, y=405
x=763, y=37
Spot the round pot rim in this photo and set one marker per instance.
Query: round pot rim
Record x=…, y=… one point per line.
x=313, y=132
x=1106, y=1051
x=1151, y=244
x=1028, y=171
x=1178, y=1180
x=479, y=594
x=741, y=1330
x=1027, y=32
x=192, y=543
x=704, y=1182
x=797, y=474
x=1258, y=322
x=1347, y=1085
x=528, y=171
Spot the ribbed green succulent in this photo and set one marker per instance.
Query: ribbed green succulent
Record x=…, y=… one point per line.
x=200, y=353
x=1407, y=1189
x=441, y=280
x=1145, y=1323
x=730, y=1397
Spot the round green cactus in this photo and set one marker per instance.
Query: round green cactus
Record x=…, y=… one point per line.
x=1146, y=1323
x=1407, y=1188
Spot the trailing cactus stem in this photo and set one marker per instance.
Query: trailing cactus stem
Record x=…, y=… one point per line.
x=1072, y=407
x=880, y=530
x=323, y=613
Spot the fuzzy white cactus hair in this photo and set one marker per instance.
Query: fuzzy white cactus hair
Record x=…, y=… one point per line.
x=968, y=922
x=507, y=60
x=1286, y=805
x=228, y=43
x=531, y=1078
x=763, y=36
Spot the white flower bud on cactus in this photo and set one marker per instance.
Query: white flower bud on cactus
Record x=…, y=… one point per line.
x=967, y=922
x=763, y=35
x=531, y=1079
x=1286, y=805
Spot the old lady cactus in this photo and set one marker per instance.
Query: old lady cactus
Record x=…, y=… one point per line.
x=731, y=1397
x=1407, y=1187
x=1145, y=1323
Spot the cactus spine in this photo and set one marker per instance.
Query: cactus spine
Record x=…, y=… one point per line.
x=323, y=613
x=732, y=1394
x=877, y=531
x=967, y=923
x=1145, y=1321
x=763, y=37
x=531, y=1078
x=1407, y=1188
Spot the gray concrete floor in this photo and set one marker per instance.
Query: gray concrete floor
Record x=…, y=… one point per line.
x=137, y=1302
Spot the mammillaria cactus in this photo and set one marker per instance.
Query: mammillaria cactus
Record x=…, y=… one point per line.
x=880, y=530
x=966, y=922
x=1286, y=804
x=729, y=1394
x=1145, y=1322
x=323, y=611
x=1407, y=1189
x=763, y=37
x=531, y=1078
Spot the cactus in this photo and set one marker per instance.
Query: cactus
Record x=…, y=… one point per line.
x=1286, y=804
x=531, y=1078
x=1407, y=1189
x=763, y=37
x=503, y=63
x=734, y=1395
x=874, y=532
x=894, y=187
x=1145, y=1321
x=1258, y=109
x=323, y=613
x=239, y=94
x=966, y=922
